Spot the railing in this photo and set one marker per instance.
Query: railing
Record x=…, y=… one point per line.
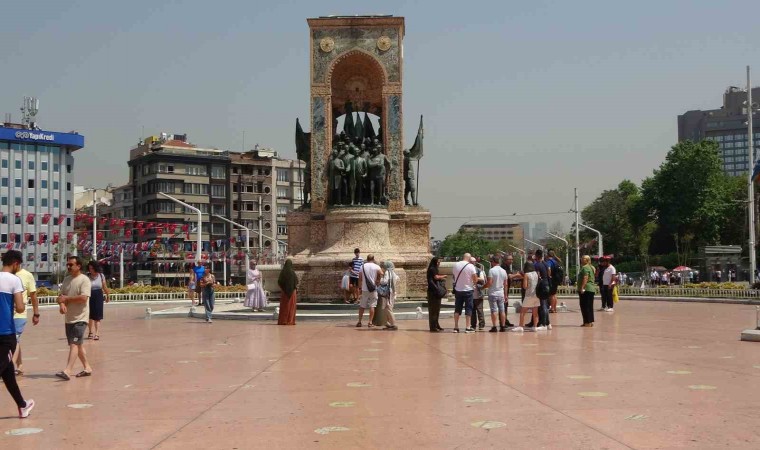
x=152, y=297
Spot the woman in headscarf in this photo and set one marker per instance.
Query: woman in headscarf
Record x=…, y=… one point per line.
x=434, y=280
x=391, y=280
x=288, y=282
x=255, y=297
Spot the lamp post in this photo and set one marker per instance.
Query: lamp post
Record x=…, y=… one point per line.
x=200, y=219
x=751, y=184
x=534, y=243
x=599, y=234
x=95, y=219
x=567, y=252
x=247, y=238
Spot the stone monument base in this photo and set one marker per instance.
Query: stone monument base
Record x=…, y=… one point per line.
x=322, y=245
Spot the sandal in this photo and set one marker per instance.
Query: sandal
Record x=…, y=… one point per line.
x=359, y=325
x=19, y=372
x=83, y=373
x=96, y=338
x=62, y=375
x=89, y=336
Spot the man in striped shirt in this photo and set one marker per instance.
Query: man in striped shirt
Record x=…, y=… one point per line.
x=353, y=278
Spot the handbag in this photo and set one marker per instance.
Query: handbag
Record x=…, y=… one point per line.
x=370, y=283
x=384, y=290
x=454, y=286
x=440, y=289
x=615, y=295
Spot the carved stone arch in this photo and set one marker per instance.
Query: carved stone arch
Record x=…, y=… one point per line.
x=359, y=77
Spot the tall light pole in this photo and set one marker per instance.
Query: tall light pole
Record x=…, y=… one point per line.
x=534, y=243
x=567, y=252
x=599, y=235
x=247, y=239
x=200, y=220
x=577, y=236
x=95, y=220
x=751, y=184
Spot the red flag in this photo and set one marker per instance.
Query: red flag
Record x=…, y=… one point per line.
x=45, y=219
x=56, y=236
x=1, y=217
x=114, y=223
x=26, y=237
x=172, y=228
x=100, y=235
x=61, y=218
x=185, y=228
x=103, y=220
x=139, y=225
x=13, y=237
x=69, y=237
x=43, y=238
x=141, y=232
x=127, y=233
x=122, y=223
x=30, y=219
x=84, y=235
x=160, y=230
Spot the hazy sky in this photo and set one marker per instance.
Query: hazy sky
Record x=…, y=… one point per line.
x=522, y=100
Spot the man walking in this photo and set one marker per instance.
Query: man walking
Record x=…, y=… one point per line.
x=353, y=278
x=497, y=284
x=478, y=318
x=11, y=299
x=74, y=303
x=465, y=278
x=20, y=319
x=369, y=278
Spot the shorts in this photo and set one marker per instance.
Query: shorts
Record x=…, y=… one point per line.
x=496, y=302
x=353, y=281
x=191, y=287
x=368, y=300
x=20, y=324
x=75, y=332
x=198, y=288
x=463, y=299
x=553, y=288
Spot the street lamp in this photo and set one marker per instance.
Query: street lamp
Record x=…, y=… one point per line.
x=200, y=219
x=247, y=239
x=534, y=243
x=522, y=254
x=599, y=234
x=95, y=201
x=567, y=252
x=751, y=185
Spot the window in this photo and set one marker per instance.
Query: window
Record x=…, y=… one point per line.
x=30, y=184
x=56, y=167
x=68, y=221
x=30, y=200
x=55, y=221
x=43, y=184
x=166, y=168
x=267, y=189
x=4, y=238
x=30, y=237
x=17, y=220
x=18, y=164
x=5, y=182
x=267, y=226
x=68, y=206
x=282, y=210
x=5, y=164
x=218, y=172
x=44, y=166
x=55, y=185
x=195, y=189
x=43, y=257
x=217, y=228
x=43, y=202
x=31, y=165
x=282, y=229
x=282, y=192
x=68, y=186
x=4, y=202
x=267, y=208
x=55, y=203
x=219, y=209
x=195, y=170
x=68, y=168
x=218, y=190
x=17, y=182
x=283, y=175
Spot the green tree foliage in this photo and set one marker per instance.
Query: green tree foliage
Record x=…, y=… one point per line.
x=609, y=214
x=456, y=245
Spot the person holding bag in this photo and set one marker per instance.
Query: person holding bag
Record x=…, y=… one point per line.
x=436, y=290
x=369, y=277
x=465, y=278
x=387, y=292
x=98, y=294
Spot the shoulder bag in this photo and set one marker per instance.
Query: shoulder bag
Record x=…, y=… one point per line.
x=370, y=283
x=454, y=286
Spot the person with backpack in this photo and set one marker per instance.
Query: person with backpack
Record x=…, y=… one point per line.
x=478, y=321
x=558, y=275
x=543, y=290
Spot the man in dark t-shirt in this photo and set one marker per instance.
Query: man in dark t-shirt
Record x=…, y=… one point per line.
x=512, y=275
x=545, y=274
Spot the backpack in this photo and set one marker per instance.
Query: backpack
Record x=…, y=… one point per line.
x=543, y=288
x=558, y=274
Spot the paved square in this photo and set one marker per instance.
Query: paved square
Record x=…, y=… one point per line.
x=651, y=375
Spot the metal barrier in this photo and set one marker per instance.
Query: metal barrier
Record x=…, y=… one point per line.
x=152, y=297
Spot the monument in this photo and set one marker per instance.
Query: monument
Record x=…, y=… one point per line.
x=359, y=176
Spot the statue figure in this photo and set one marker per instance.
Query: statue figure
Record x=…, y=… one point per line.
x=409, y=188
x=377, y=170
x=349, y=182
x=335, y=175
x=359, y=175
x=365, y=198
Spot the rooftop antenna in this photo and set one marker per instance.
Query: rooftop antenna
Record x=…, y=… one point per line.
x=29, y=110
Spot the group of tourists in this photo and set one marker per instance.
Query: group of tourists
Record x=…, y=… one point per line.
x=81, y=299
x=374, y=288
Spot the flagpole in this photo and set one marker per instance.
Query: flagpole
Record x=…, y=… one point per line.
x=416, y=198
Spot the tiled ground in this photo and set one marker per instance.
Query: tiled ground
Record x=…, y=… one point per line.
x=185, y=384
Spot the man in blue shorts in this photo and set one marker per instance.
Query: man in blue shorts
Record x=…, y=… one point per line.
x=464, y=276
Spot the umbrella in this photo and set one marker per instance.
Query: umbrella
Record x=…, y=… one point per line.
x=682, y=269
x=659, y=268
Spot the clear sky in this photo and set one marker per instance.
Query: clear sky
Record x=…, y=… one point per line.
x=522, y=100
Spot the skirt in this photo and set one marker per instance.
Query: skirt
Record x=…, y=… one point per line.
x=96, y=304
x=287, y=309
x=255, y=298
x=531, y=302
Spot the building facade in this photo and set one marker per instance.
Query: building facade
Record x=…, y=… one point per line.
x=36, y=195
x=497, y=232
x=726, y=126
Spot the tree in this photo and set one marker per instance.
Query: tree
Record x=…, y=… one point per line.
x=457, y=244
x=609, y=214
x=689, y=197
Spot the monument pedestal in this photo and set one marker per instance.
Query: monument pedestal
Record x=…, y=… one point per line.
x=322, y=245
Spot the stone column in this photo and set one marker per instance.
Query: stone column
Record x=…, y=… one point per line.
x=393, y=141
x=320, y=146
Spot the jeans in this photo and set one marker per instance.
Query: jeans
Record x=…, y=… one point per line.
x=208, y=301
x=587, y=306
x=606, y=296
x=477, y=317
x=543, y=313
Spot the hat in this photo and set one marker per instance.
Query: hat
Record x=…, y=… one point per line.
x=473, y=259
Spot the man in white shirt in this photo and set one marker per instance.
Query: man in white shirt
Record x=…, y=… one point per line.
x=497, y=285
x=464, y=276
x=372, y=272
x=609, y=279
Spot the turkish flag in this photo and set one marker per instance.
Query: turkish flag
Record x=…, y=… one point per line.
x=100, y=235
x=160, y=230
x=84, y=235
x=43, y=238
x=139, y=225
x=61, y=218
x=30, y=219
x=172, y=228
x=13, y=237
x=141, y=232
x=56, y=236
x=69, y=237
x=127, y=233
x=45, y=219
x=114, y=223
x=185, y=228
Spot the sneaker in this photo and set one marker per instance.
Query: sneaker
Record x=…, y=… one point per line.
x=493, y=330
x=24, y=412
x=456, y=330
x=541, y=328
x=530, y=329
x=502, y=329
x=516, y=329
x=208, y=320
x=509, y=324
x=610, y=310
x=358, y=325
x=469, y=330
x=549, y=327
